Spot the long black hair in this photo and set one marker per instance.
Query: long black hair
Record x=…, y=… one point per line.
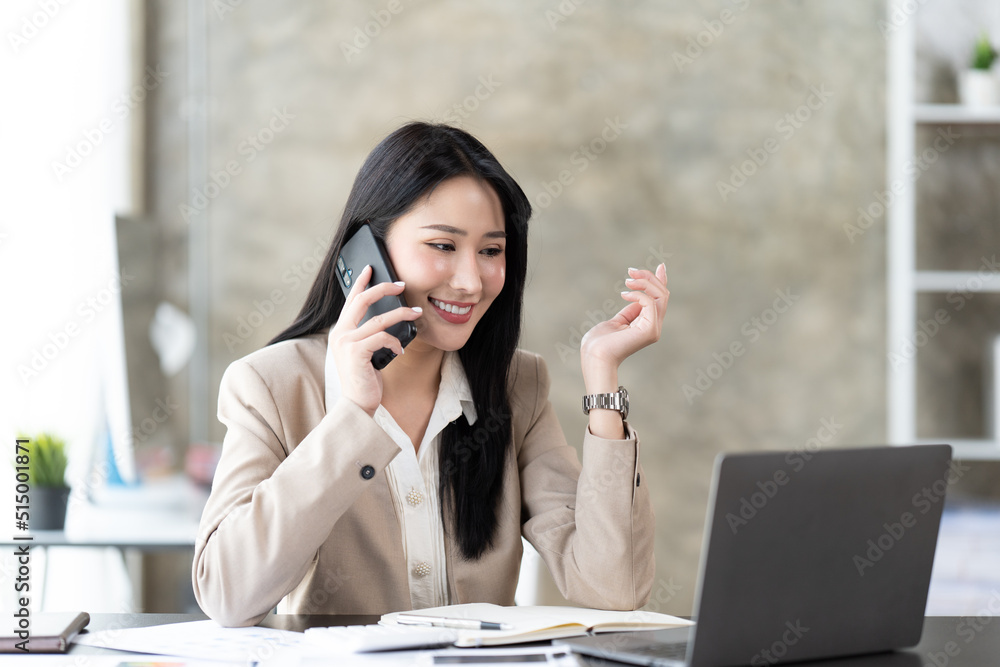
x=403, y=168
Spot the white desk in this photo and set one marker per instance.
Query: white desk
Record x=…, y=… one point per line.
x=161, y=514
x=155, y=516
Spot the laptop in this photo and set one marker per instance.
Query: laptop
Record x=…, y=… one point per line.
x=807, y=555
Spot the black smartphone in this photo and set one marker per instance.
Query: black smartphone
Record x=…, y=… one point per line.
x=361, y=249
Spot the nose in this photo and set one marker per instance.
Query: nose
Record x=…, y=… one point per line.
x=465, y=277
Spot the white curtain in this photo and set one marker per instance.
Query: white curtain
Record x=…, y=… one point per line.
x=64, y=149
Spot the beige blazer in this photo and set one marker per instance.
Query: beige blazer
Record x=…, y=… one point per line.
x=300, y=505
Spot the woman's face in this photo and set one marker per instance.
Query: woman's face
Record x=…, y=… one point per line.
x=449, y=250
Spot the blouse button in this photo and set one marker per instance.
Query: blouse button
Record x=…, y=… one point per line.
x=414, y=497
x=422, y=570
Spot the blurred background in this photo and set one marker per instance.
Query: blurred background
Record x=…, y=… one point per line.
x=173, y=173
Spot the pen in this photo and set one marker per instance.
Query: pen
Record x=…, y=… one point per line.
x=457, y=623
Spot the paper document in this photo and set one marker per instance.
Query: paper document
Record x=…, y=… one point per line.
x=120, y=660
x=196, y=639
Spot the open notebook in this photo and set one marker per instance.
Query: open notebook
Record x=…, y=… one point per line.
x=537, y=623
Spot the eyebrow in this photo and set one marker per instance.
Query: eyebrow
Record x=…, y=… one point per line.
x=448, y=229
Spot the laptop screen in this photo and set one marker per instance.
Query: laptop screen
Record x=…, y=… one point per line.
x=815, y=554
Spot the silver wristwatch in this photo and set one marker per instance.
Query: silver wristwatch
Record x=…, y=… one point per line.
x=616, y=401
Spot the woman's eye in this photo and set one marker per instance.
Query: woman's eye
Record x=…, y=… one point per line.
x=442, y=246
x=493, y=252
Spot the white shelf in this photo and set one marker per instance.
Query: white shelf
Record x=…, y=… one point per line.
x=904, y=282
x=940, y=114
x=971, y=450
x=957, y=281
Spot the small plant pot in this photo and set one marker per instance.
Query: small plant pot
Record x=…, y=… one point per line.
x=48, y=507
x=978, y=88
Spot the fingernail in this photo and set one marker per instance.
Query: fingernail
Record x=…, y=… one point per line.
x=632, y=268
x=400, y=283
x=630, y=280
x=626, y=293
x=417, y=309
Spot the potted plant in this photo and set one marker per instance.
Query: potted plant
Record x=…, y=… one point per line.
x=977, y=86
x=48, y=494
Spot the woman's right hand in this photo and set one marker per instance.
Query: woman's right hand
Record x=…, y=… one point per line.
x=353, y=346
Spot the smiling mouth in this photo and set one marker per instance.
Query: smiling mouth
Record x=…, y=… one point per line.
x=450, y=308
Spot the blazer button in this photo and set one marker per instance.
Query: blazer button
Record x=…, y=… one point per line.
x=367, y=472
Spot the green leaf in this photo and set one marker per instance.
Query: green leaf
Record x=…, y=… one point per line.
x=46, y=460
x=983, y=53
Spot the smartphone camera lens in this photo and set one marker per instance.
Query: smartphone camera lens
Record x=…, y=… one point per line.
x=345, y=273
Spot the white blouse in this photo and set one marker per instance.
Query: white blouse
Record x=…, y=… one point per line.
x=413, y=480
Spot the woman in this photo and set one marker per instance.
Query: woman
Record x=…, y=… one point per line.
x=356, y=491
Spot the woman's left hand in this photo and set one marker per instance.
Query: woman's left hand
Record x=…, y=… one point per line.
x=635, y=326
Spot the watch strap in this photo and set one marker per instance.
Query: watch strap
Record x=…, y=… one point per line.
x=617, y=401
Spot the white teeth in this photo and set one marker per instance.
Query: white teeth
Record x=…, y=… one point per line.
x=450, y=308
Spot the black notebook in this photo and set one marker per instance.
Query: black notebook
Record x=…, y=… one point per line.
x=46, y=633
